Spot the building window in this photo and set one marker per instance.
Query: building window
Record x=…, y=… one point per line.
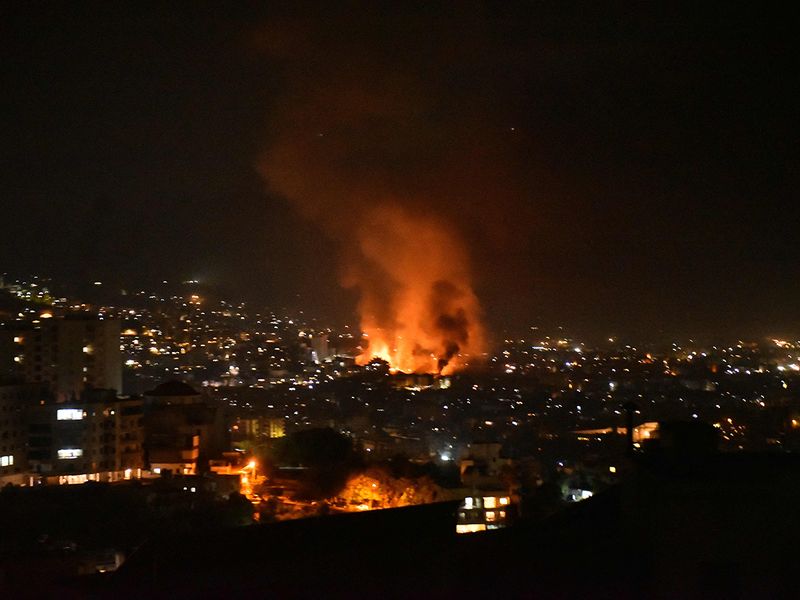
x=470, y=527
x=490, y=515
x=69, y=414
x=70, y=453
x=6, y=461
x=490, y=502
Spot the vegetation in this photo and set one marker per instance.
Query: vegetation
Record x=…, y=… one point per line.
x=102, y=515
x=324, y=460
x=378, y=488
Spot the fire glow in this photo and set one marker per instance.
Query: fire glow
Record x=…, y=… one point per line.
x=387, y=177
x=417, y=307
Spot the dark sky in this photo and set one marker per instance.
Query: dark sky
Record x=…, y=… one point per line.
x=617, y=170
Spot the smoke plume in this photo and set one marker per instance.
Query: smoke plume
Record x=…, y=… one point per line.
x=417, y=306
x=362, y=144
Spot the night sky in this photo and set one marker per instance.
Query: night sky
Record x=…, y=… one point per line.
x=614, y=169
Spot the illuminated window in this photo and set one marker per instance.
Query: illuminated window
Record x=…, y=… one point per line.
x=6, y=461
x=470, y=528
x=69, y=453
x=468, y=503
x=502, y=514
x=490, y=515
x=73, y=479
x=69, y=414
x=504, y=501
x=490, y=502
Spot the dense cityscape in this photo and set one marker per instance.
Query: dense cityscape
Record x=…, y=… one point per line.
x=192, y=396
x=420, y=299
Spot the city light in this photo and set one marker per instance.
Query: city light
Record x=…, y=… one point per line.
x=399, y=299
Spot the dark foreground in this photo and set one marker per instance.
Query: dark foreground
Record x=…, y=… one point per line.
x=724, y=526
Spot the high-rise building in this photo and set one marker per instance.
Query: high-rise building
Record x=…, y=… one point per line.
x=183, y=430
x=16, y=400
x=71, y=354
x=97, y=438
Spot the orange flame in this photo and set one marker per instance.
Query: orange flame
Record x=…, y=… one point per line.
x=418, y=310
x=363, y=149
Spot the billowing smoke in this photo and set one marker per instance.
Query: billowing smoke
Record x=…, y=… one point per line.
x=363, y=145
x=417, y=306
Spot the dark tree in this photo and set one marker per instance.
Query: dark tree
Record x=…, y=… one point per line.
x=327, y=456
